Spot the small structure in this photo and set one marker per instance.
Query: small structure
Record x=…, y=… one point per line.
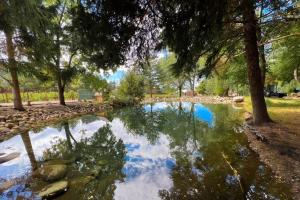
x=99, y=97
x=86, y=94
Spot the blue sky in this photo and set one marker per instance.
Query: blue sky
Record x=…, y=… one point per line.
x=121, y=72
x=116, y=76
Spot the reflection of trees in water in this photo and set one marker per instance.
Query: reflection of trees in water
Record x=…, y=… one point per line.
x=27, y=143
x=101, y=155
x=140, y=122
x=200, y=172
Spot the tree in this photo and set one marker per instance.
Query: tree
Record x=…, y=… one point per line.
x=106, y=38
x=17, y=17
x=214, y=29
x=153, y=75
x=286, y=56
x=131, y=90
x=59, y=49
x=171, y=78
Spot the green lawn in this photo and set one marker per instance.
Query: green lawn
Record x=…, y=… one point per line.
x=283, y=111
x=38, y=96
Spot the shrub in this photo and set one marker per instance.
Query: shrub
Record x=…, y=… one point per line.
x=131, y=90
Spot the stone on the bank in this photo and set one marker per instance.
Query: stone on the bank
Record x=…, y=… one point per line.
x=6, y=185
x=8, y=157
x=238, y=99
x=2, y=119
x=52, y=172
x=9, y=125
x=54, y=189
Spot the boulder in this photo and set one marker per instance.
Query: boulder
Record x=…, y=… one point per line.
x=54, y=189
x=52, y=172
x=8, y=157
x=238, y=99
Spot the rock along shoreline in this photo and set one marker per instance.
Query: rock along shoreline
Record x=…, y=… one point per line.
x=35, y=116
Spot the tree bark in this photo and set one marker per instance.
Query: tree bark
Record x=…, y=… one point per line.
x=13, y=72
x=192, y=84
x=180, y=91
x=262, y=56
x=260, y=113
x=261, y=47
x=296, y=76
x=61, y=91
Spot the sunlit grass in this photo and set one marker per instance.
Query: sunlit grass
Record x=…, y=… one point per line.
x=38, y=96
x=283, y=111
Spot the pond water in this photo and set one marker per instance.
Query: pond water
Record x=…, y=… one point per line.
x=157, y=151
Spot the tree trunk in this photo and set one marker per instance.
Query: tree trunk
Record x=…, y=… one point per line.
x=260, y=113
x=60, y=91
x=180, y=91
x=296, y=76
x=192, y=85
x=262, y=57
x=13, y=72
x=261, y=48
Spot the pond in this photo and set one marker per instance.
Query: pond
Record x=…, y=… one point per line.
x=154, y=151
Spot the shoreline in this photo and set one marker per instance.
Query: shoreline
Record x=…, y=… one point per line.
x=196, y=99
x=278, y=148
x=13, y=122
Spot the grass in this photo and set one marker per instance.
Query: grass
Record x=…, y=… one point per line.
x=161, y=95
x=38, y=96
x=284, y=111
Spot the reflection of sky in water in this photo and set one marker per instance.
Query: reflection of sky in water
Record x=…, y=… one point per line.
x=201, y=112
x=40, y=142
x=147, y=167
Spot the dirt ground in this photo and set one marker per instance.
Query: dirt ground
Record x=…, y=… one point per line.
x=279, y=148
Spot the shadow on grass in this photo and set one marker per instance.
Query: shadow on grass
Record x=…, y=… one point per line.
x=275, y=102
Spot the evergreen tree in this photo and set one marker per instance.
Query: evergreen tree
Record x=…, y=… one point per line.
x=16, y=18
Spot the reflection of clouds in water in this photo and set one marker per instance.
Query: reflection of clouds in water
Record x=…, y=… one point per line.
x=40, y=142
x=145, y=186
x=147, y=165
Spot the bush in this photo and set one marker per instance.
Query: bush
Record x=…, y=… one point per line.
x=201, y=89
x=289, y=87
x=131, y=90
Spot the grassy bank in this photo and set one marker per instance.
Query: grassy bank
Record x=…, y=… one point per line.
x=38, y=96
x=284, y=111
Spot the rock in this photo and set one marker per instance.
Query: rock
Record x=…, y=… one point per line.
x=2, y=119
x=238, y=99
x=54, y=189
x=9, y=157
x=9, y=125
x=4, y=129
x=52, y=172
x=6, y=185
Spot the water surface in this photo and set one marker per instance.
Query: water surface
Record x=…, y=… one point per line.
x=155, y=151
